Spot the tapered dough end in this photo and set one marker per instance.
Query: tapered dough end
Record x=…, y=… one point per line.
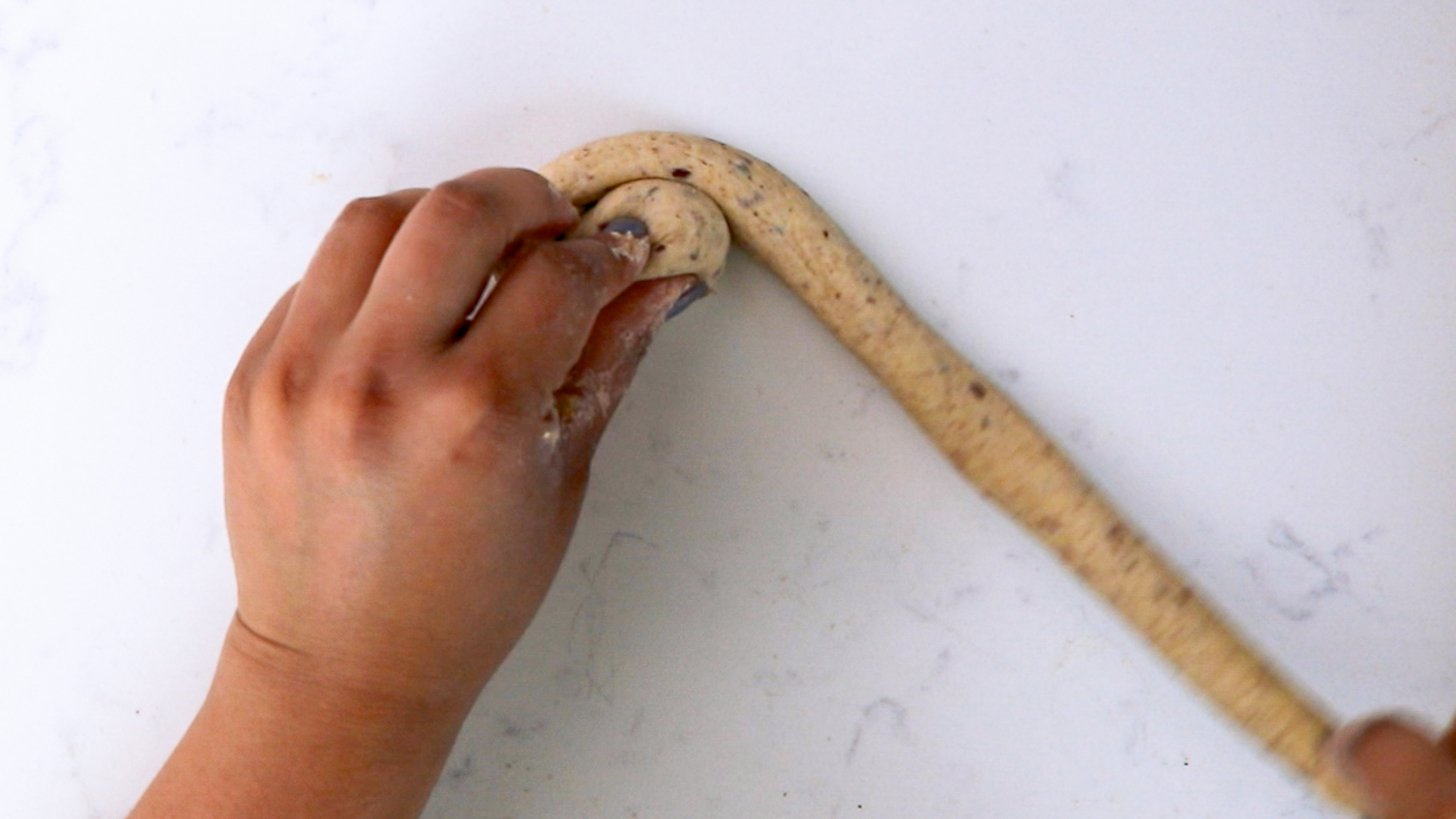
x=687, y=230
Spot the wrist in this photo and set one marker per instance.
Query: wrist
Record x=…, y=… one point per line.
x=276, y=678
x=282, y=735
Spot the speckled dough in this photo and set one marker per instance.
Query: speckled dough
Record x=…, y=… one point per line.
x=995, y=446
x=687, y=230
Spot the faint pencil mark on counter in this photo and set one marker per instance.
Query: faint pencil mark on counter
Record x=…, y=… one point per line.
x=517, y=729
x=1377, y=235
x=884, y=715
x=935, y=610
x=28, y=193
x=1431, y=126
x=586, y=641
x=1065, y=186
x=1299, y=578
x=22, y=311
x=460, y=770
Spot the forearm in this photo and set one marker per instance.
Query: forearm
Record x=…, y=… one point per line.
x=274, y=739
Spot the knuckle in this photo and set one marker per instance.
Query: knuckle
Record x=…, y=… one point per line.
x=265, y=385
x=517, y=182
x=263, y=396
x=373, y=211
x=490, y=192
x=458, y=200
x=281, y=384
x=358, y=390
x=499, y=392
x=353, y=408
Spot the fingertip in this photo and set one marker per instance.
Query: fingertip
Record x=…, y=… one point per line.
x=1353, y=745
x=629, y=255
x=1393, y=763
x=1339, y=754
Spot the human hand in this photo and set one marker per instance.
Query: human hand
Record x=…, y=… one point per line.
x=1402, y=772
x=401, y=484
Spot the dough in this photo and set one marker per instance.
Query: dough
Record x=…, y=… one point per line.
x=687, y=231
x=993, y=444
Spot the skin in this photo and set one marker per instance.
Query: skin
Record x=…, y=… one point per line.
x=1403, y=770
x=401, y=485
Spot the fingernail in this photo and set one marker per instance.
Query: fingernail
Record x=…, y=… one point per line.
x=692, y=294
x=627, y=226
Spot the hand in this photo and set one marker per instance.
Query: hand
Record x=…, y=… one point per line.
x=401, y=484
x=1401, y=770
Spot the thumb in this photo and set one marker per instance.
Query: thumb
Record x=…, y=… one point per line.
x=1398, y=768
x=618, y=341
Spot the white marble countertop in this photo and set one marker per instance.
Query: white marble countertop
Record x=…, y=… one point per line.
x=1209, y=245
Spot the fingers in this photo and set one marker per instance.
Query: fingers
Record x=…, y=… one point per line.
x=595, y=386
x=401, y=273
x=267, y=332
x=343, y=268
x=440, y=259
x=537, y=321
x=1401, y=771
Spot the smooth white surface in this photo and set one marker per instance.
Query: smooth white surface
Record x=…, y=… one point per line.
x=1209, y=245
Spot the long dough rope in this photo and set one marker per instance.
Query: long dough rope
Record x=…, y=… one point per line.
x=995, y=446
